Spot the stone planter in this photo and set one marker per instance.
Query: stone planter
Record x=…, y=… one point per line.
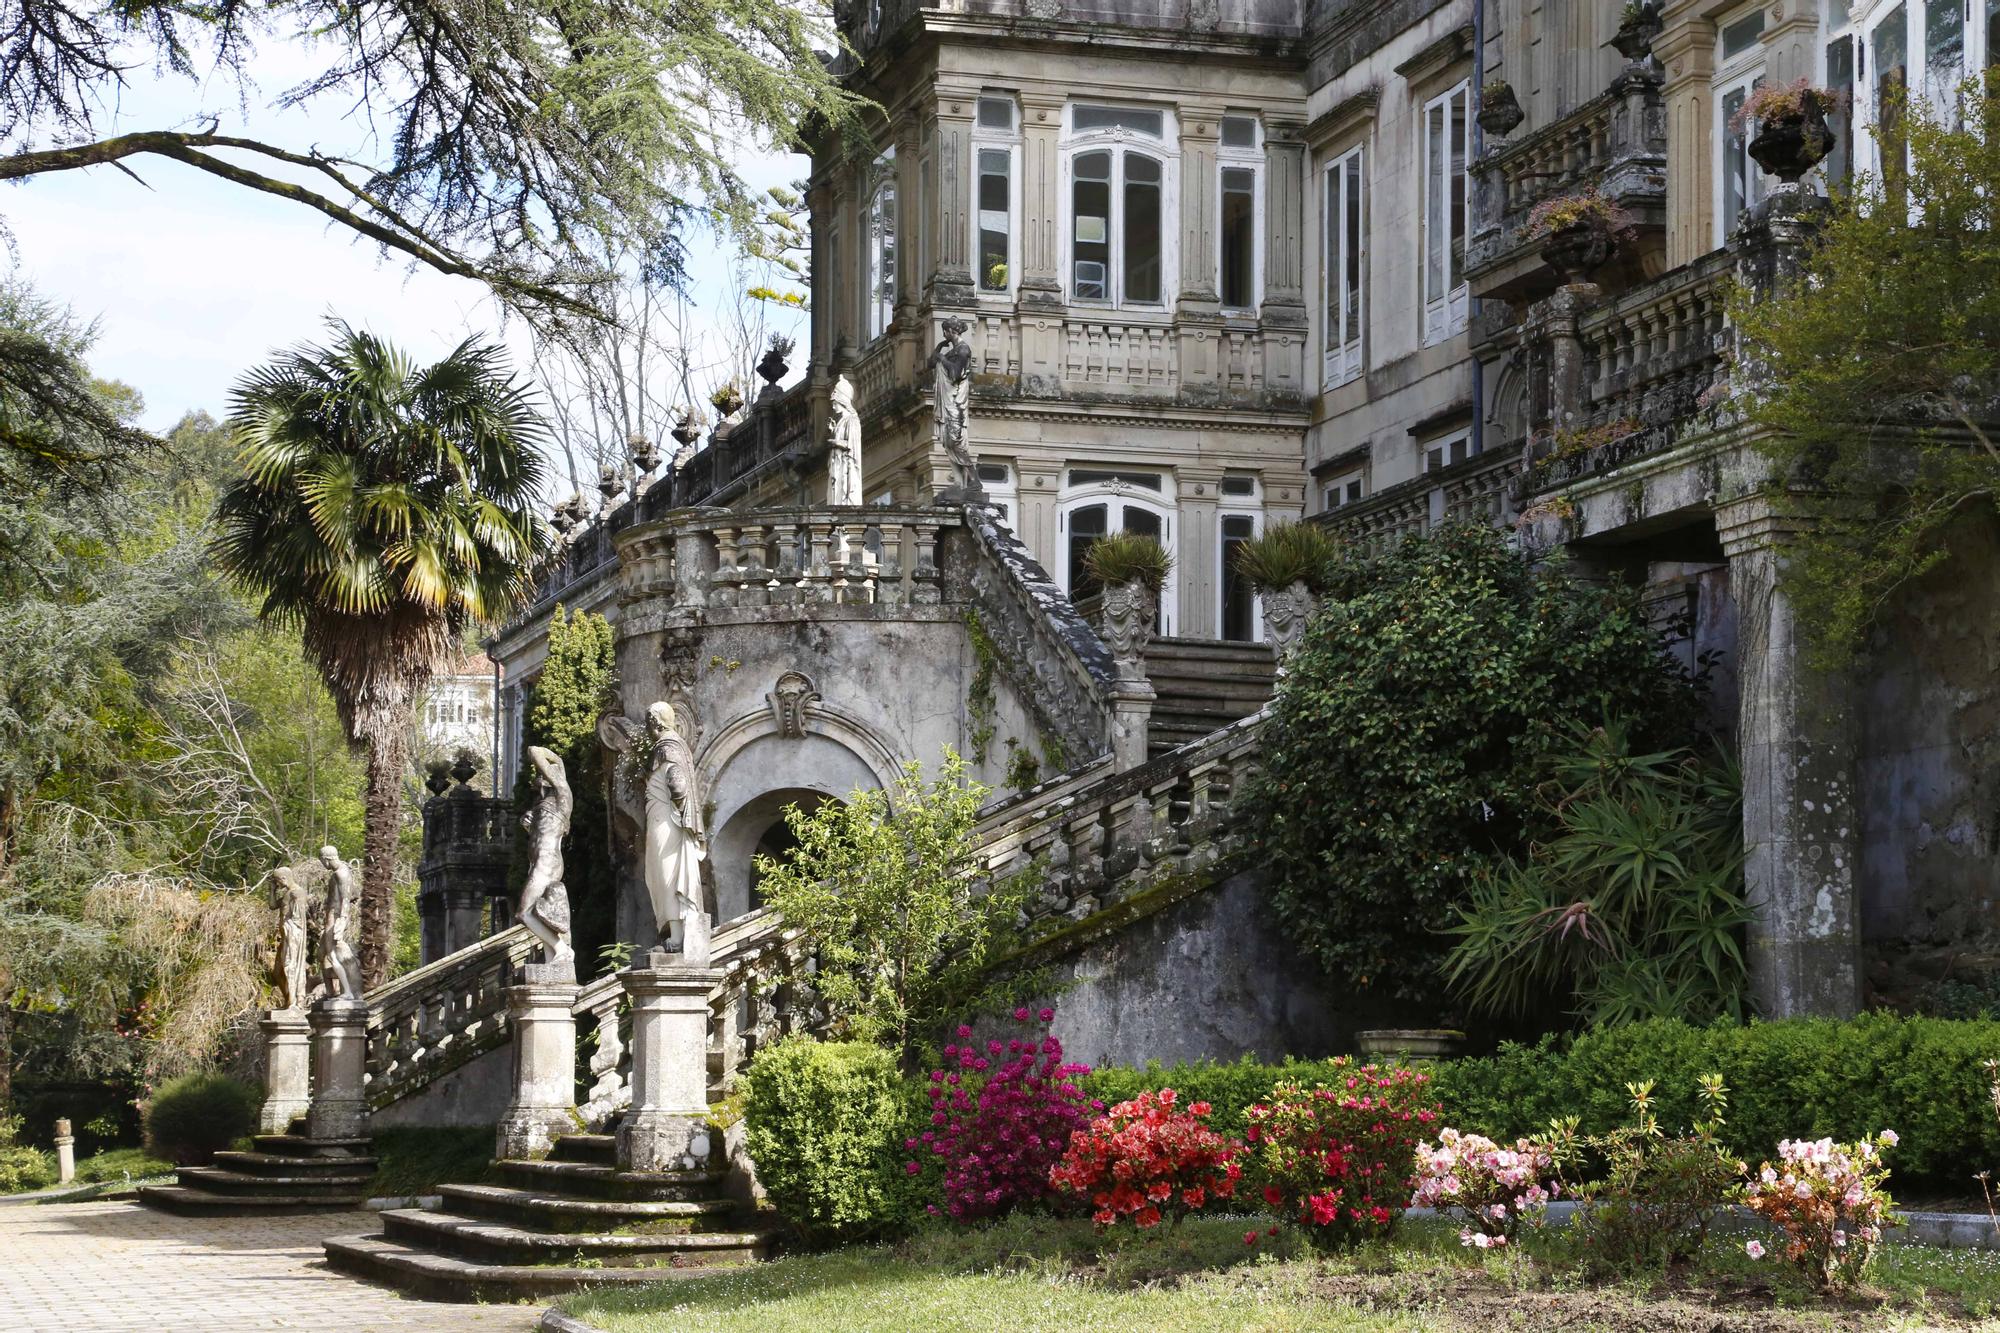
x=1125, y=618
x=1579, y=249
x=1414, y=1043
x=1500, y=111
x=1790, y=146
x=1634, y=39
x=1286, y=612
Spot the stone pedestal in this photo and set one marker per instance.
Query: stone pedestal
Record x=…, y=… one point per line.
x=667, y=1129
x=544, y=1100
x=287, y=1070
x=339, y=1106
x=65, y=1153
x=1131, y=723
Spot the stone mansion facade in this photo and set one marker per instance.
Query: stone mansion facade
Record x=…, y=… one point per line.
x=1227, y=263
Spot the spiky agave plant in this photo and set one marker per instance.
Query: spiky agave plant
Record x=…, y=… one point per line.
x=384, y=507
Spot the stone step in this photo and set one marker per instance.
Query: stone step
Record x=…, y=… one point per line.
x=219, y=1180
x=188, y=1202
x=441, y=1277
x=596, y=1149
x=592, y=1181
x=273, y=1164
x=482, y=1240
x=548, y=1212
x=298, y=1145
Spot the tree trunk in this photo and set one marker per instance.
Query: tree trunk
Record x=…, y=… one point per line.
x=382, y=806
x=6, y=1057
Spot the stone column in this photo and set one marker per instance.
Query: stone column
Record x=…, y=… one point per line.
x=950, y=278
x=464, y=913
x=1041, y=289
x=287, y=1070
x=1796, y=734
x=1686, y=47
x=1131, y=723
x=667, y=1127
x=1556, y=352
x=1284, y=312
x=339, y=1107
x=1198, y=312
x=65, y=1153
x=544, y=1101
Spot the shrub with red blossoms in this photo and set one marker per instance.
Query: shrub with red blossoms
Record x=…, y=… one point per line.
x=1338, y=1159
x=1001, y=1114
x=1149, y=1161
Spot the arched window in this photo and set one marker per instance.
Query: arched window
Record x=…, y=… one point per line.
x=1096, y=502
x=882, y=245
x=1120, y=179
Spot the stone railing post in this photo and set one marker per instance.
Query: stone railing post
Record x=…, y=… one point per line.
x=543, y=1106
x=667, y=1127
x=287, y=1070
x=339, y=1106
x=65, y=1153
x=1770, y=247
x=1553, y=330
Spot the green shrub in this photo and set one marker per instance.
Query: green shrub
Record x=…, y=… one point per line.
x=825, y=1122
x=121, y=1164
x=198, y=1115
x=1128, y=557
x=22, y=1167
x=1288, y=553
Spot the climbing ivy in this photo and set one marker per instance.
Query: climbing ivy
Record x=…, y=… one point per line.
x=980, y=702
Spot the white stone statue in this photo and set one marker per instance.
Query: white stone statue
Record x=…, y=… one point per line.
x=337, y=958
x=290, y=973
x=843, y=459
x=544, y=908
x=951, y=388
x=676, y=842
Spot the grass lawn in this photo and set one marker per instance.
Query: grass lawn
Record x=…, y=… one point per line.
x=1046, y=1276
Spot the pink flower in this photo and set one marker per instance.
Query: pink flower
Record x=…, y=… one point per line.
x=1754, y=1249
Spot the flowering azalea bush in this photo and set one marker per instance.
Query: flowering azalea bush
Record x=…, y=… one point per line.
x=998, y=1131
x=1828, y=1199
x=1494, y=1189
x=1337, y=1159
x=1149, y=1161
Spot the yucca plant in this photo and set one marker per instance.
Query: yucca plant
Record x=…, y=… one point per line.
x=1288, y=553
x=384, y=507
x=1128, y=557
x=1635, y=905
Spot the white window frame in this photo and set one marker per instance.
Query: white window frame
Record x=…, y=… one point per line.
x=1460, y=441
x=1739, y=73
x=1868, y=22
x=1003, y=493
x=1444, y=312
x=1164, y=503
x=1238, y=506
x=881, y=275
x=1333, y=491
x=987, y=139
x=1344, y=358
x=1251, y=159
x=1121, y=142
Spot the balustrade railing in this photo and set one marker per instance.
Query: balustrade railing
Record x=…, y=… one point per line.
x=1121, y=355
x=1652, y=353
x=428, y=1022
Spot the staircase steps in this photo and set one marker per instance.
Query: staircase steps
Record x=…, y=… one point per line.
x=285, y=1173
x=1203, y=685
x=569, y=1221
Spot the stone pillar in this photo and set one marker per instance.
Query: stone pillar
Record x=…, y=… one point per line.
x=667, y=1128
x=950, y=278
x=1284, y=313
x=1686, y=47
x=544, y=1100
x=1796, y=734
x=1198, y=310
x=1041, y=288
x=464, y=912
x=287, y=1070
x=1131, y=723
x=65, y=1153
x=1556, y=356
x=339, y=1107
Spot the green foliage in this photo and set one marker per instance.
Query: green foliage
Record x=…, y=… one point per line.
x=411, y=1159
x=22, y=1167
x=1412, y=731
x=1657, y=1195
x=1879, y=366
x=1633, y=905
x=883, y=888
x=122, y=1164
x=825, y=1123
x=576, y=686
x=1229, y=1088
x=980, y=703
x=198, y=1115
x=1288, y=553
x=1128, y=557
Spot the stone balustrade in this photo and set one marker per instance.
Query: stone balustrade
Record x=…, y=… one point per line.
x=1650, y=354
x=1477, y=490
x=1119, y=354
x=429, y=1022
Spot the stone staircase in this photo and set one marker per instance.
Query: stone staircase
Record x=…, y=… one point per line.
x=1203, y=685
x=553, y=1226
x=285, y=1173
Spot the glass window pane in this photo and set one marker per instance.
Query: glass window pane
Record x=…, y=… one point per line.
x=995, y=217
x=1354, y=239
x=1434, y=203
x=1456, y=220
x=1239, y=132
x=1239, y=599
x=1150, y=123
x=1331, y=222
x=1839, y=163
x=1090, y=211
x=996, y=113
x=1239, y=238
x=1142, y=230
x=1892, y=78
x=1944, y=54
x=1741, y=35
x=1735, y=160
x=1086, y=525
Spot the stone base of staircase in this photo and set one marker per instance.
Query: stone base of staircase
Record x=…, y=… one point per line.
x=285, y=1173
x=555, y=1226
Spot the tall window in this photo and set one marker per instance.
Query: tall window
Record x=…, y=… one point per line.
x=1118, y=203
x=1242, y=515
x=1839, y=76
x=1344, y=224
x=1739, y=181
x=1926, y=47
x=882, y=245
x=1096, y=502
x=1444, y=214
x=1240, y=157
x=994, y=146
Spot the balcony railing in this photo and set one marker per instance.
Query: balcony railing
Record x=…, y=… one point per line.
x=1474, y=491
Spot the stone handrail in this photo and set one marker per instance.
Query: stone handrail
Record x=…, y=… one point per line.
x=426, y=1023
x=1475, y=491
x=1652, y=353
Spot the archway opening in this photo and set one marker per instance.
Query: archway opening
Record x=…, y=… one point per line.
x=778, y=843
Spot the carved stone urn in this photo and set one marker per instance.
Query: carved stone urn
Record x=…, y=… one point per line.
x=1788, y=146
x=1580, y=249
x=1500, y=112
x=1286, y=611
x=1125, y=615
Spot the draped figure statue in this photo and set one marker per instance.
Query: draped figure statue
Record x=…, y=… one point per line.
x=289, y=976
x=338, y=960
x=544, y=906
x=676, y=842
x=843, y=459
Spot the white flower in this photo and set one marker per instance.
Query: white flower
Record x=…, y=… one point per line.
x=1888, y=1136
x=1754, y=1249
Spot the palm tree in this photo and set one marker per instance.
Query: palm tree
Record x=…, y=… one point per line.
x=384, y=507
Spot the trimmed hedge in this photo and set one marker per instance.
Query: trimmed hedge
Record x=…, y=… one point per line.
x=196, y=1116
x=1799, y=1078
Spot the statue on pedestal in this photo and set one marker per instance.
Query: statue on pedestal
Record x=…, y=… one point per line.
x=544, y=908
x=288, y=978
x=337, y=959
x=676, y=842
x=843, y=459
x=951, y=389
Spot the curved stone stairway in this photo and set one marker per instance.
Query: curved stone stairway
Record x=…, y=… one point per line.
x=552, y=1226
x=286, y=1173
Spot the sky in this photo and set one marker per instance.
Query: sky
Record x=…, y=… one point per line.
x=193, y=279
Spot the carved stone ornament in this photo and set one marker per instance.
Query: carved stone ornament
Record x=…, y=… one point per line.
x=1286, y=611
x=789, y=698
x=544, y=906
x=951, y=387
x=1127, y=619
x=843, y=460
x=679, y=651
x=338, y=962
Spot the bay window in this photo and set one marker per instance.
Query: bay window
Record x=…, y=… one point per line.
x=1343, y=226
x=1445, y=214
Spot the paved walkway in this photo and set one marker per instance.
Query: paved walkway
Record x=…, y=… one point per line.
x=113, y=1267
